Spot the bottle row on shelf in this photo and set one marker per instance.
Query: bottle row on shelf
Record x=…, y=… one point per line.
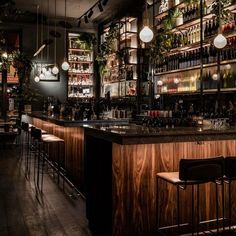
x=80, y=68
x=80, y=57
x=80, y=80
x=192, y=35
x=192, y=83
x=192, y=58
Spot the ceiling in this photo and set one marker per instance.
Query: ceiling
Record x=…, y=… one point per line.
x=26, y=10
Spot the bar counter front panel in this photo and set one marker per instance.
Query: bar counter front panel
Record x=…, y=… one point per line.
x=121, y=170
x=72, y=132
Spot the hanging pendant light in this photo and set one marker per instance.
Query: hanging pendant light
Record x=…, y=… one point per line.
x=146, y=34
x=36, y=77
x=55, y=69
x=65, y=65
x=220, y=41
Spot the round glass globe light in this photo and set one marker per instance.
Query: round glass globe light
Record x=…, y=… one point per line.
x=159, y=83
x=36, y=79
x=176, y=80
x=214, y=76
x=65, y=65
x=55, y=70
x=146, y=34
x=42, y=76
x=228, y=67
x=220, y=41
x=44, y=70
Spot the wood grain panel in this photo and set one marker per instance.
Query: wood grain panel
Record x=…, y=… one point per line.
x=134, y=169
x=74, y=148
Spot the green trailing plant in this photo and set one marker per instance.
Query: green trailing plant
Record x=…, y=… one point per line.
x=218, y=9
x=86, y=40
x=107, y=47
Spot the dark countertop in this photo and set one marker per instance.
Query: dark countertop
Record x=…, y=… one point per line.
x=136, y=134
x=75, y=123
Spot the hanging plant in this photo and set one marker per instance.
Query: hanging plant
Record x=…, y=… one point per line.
x=87, y=39
x=218, y=9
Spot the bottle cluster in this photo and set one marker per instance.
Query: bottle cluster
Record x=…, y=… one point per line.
x=193, y=57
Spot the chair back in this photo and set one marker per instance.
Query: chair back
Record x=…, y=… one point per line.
x=25, y=126
x=36, y=133
x=230, y=167
x=208, y=169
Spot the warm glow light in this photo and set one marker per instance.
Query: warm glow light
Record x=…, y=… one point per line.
x=176, y=80
x=42, y=76
x=159, y=83
x=220, y=41
x=228, y=67
x=4, y=55
x=157, y=96
x=55, y=70
x=65, y=65
x=214, y=76
x=36, y=79
x=146, y=34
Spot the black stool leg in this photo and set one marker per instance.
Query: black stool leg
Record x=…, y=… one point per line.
x=178, y=212
x=157, y=205
x=223, y=203
x=192, y=209
x=217, y=209
x=230, y=212
x=198, y=208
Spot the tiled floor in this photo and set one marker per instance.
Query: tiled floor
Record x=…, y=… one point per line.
x=24, y=212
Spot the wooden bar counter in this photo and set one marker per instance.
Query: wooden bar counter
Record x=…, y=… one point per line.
x=72, y=132
x=121, y=166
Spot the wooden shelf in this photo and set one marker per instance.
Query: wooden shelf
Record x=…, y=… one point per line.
x=79, y=73
x=81, y=62
x=79, y=50
x=197, y=67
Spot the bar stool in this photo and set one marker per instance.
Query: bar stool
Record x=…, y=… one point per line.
x=46, y=145
x=193, y=172
x=230, y=175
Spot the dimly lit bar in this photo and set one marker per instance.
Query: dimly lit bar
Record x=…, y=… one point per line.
x=118, y=118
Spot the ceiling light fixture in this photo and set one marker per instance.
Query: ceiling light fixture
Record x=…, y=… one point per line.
x=65, y=65
x=86, y=19
x=55, y=69
x=104, y=2
x=146, y=34
x=88, y=14
x=100, y=7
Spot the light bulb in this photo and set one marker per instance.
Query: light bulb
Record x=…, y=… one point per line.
x=4, y=55
x=44, y=70
x=65, y=65
x=176, y=80
x=220, y=41
x=228, y=67
x=159, y=83
x=146, y=34
x=157, y=96
x=36, y=79
x=215, y=76
x=55, y=70
x=42, y=76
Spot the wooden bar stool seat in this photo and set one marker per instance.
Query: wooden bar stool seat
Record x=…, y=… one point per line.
x=192, y=172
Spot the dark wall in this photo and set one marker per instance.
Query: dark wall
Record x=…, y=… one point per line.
x=57, y=89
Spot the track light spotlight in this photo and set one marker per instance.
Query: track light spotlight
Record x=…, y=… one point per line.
x=78, y=24
x=90, y=13
x=86, y=19
x=100, y=7
x=104, y=2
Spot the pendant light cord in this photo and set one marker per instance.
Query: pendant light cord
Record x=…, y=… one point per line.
x=48, y=29
x=41, y=38
x=65, y=32
x=55, y=39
